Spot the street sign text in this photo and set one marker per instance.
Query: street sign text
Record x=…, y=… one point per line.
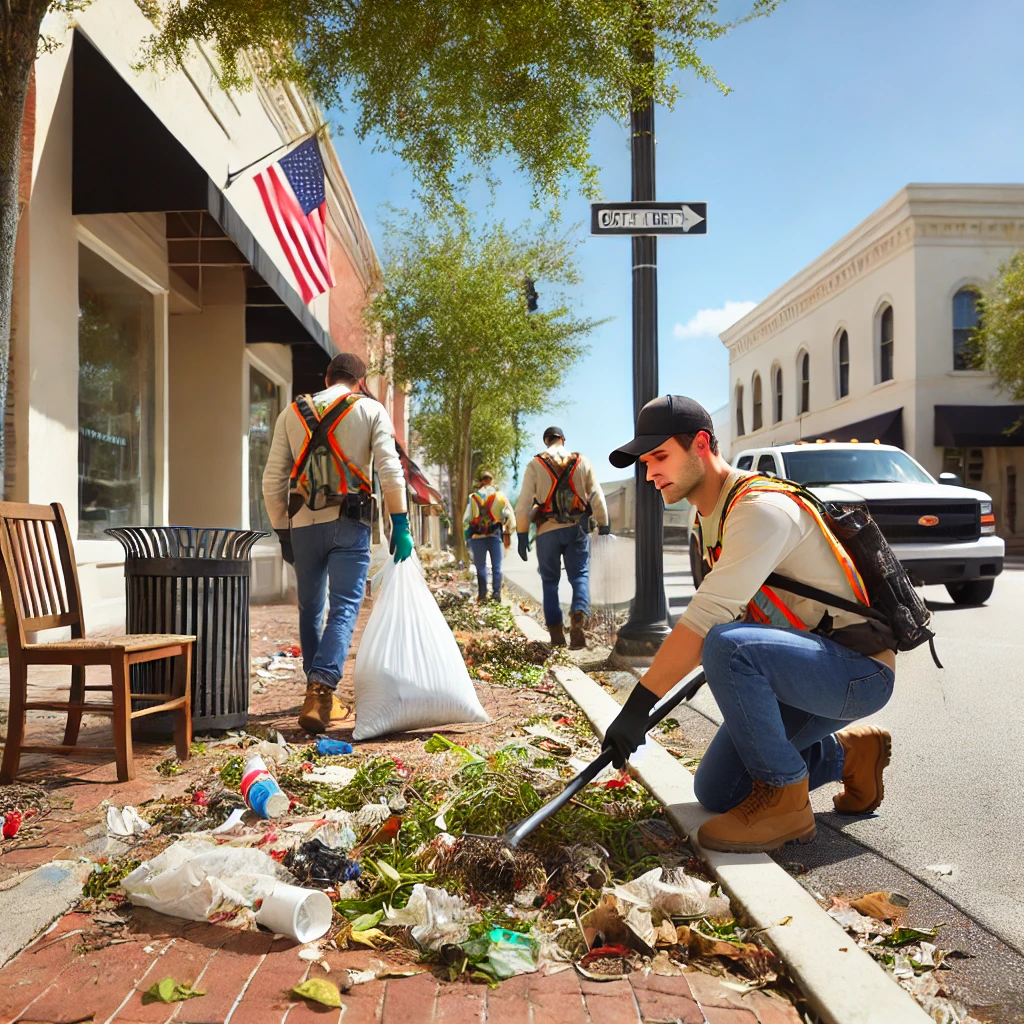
x=648, y=218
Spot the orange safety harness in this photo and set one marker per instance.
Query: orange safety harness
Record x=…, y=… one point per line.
x=320, y=425
x=560, y=476
x=484, y=506
x=767, y=607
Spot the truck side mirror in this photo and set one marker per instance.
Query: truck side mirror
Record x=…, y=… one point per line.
x=949, y=478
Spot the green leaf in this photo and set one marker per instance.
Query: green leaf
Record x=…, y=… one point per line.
x=387, y=871
x=905, y=936
x=438, y=744
x=167, y=990
x=366, y=921
x=318, y=990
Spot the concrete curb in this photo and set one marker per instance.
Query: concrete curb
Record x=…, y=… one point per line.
x=841, y=982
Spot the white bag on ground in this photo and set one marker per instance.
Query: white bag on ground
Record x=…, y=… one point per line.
x=409, y=669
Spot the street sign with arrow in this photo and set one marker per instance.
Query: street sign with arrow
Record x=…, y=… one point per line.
x=652, y=218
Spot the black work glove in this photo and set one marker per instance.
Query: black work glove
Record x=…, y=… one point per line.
x=628, y=730
x=603, y=531
x=524, y=544
x=285, y=537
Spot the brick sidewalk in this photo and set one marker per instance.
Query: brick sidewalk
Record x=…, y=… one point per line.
x=246, y=974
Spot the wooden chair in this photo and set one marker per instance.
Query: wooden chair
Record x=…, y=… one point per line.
x=39, y=585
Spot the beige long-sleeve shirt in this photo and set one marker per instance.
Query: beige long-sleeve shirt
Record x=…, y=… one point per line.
x=501, y=509
x=767, y=533
x=537, y=484
x=365, y=435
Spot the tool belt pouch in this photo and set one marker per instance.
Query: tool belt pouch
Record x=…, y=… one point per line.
x=357, y=508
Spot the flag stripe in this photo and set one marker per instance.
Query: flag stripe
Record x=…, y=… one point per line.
x=297, y=225
x=266, y=194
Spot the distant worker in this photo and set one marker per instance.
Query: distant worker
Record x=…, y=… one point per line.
x=560, y=494
x=317, y=490
x=489, y=522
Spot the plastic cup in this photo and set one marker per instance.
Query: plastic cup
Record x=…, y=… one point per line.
x=302, y=914
x=260, y=790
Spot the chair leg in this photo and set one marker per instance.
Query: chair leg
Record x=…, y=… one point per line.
x=77, y=697
x=119, y=676
x=183, y=717
x=15, y=724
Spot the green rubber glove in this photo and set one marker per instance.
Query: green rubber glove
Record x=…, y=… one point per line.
x=401, y=538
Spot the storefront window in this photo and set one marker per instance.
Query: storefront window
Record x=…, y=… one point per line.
x=115, y=398
x=264, y=408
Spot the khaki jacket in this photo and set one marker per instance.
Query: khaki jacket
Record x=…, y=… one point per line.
x=537, y=485
x=365, y=435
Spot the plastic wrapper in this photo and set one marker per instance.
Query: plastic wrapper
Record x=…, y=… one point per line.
x=435, y=917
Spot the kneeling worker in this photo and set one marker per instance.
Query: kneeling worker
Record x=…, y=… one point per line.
x=318, y=494
x=786, y=671
x=489, y=522
x=560, y=493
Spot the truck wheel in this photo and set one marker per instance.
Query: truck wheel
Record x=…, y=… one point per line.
x=974, y=592
x=696, y=562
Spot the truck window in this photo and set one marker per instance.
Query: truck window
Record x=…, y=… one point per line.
x=745, y=462
x=819, y=466
x=766, y=464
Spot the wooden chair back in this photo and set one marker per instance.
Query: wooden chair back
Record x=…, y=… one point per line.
x=38, y=574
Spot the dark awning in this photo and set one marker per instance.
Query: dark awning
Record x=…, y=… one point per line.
x=125, y=160
x=886, y=427
x=979, y=426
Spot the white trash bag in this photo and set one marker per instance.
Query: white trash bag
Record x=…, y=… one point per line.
x=409, y=669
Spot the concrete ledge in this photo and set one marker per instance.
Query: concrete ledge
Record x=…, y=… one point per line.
x=36, y=902
x=841, y=982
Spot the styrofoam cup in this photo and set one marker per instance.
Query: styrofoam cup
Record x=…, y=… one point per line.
x=301, y=914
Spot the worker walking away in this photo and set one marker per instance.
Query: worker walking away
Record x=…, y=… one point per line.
x=560, y=494
x=489, y=521
x=318, y=494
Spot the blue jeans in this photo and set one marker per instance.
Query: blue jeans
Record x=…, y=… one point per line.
x=573, y=545
x=481, y=547
x=332, y=556
x=783, y=693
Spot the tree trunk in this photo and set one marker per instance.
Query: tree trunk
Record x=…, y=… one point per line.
x=463, y=469
x=19, y=36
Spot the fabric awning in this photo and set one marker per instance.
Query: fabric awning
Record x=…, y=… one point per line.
x=125, y=160
x=423, y=491
x=979, y=426
x=887, y=427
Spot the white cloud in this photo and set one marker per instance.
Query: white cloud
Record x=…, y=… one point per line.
x=709, y=323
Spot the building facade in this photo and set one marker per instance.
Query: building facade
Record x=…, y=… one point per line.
x=870, y=341
x=158, y=328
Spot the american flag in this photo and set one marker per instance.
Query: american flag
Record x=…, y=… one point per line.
x=293, y=192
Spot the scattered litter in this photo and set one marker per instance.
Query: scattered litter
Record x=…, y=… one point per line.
x=333, y=775
x=435, y=917
x=876, y=905
x=12, y=823
x=261, y=791
x=607, y=963
x=169, y=991
x=327, y=747
x=360, y=977
x=319, y=865
x=231, y=821
x=675, y=895
x=852, y=920
x=940, y=869
x=318, y=990
x=125, y=822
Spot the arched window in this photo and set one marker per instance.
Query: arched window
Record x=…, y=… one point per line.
x=842, y=365
x=966, y=317
x=885, y=335
x=776, y=394
x=739, y=411
x=755, y=387
x=803, y=369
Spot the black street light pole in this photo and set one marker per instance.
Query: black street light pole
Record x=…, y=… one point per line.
x=648, y=624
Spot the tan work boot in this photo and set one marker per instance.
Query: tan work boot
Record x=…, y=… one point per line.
x=867, y=751
x=766, y=820
x=557, y=635
x=341, y=712
x=577, y=622
x=315, y=716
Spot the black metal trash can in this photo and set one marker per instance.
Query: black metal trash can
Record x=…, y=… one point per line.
x=183, y=579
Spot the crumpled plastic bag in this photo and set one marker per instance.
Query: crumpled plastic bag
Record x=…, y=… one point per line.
x=409, y=669
x=199, y=880
x=676, y=894
x=125, y=822
x=435, y=917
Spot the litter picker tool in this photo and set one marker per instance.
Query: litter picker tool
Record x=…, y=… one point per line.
x=518, y=832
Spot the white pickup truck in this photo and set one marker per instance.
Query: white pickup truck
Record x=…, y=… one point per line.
x=940, y=531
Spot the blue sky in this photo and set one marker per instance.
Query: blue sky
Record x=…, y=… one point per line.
x=836, y=104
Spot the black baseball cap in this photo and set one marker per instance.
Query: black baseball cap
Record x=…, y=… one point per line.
x=553, y=432
x=660, y=419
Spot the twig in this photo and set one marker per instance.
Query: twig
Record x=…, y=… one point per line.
x=53, y=942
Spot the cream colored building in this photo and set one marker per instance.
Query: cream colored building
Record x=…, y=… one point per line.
x=158, y=327
x=867, y=342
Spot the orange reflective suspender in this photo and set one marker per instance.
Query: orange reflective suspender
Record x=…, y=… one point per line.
x=569, y=470
x=299, y=472
x=766, y=607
